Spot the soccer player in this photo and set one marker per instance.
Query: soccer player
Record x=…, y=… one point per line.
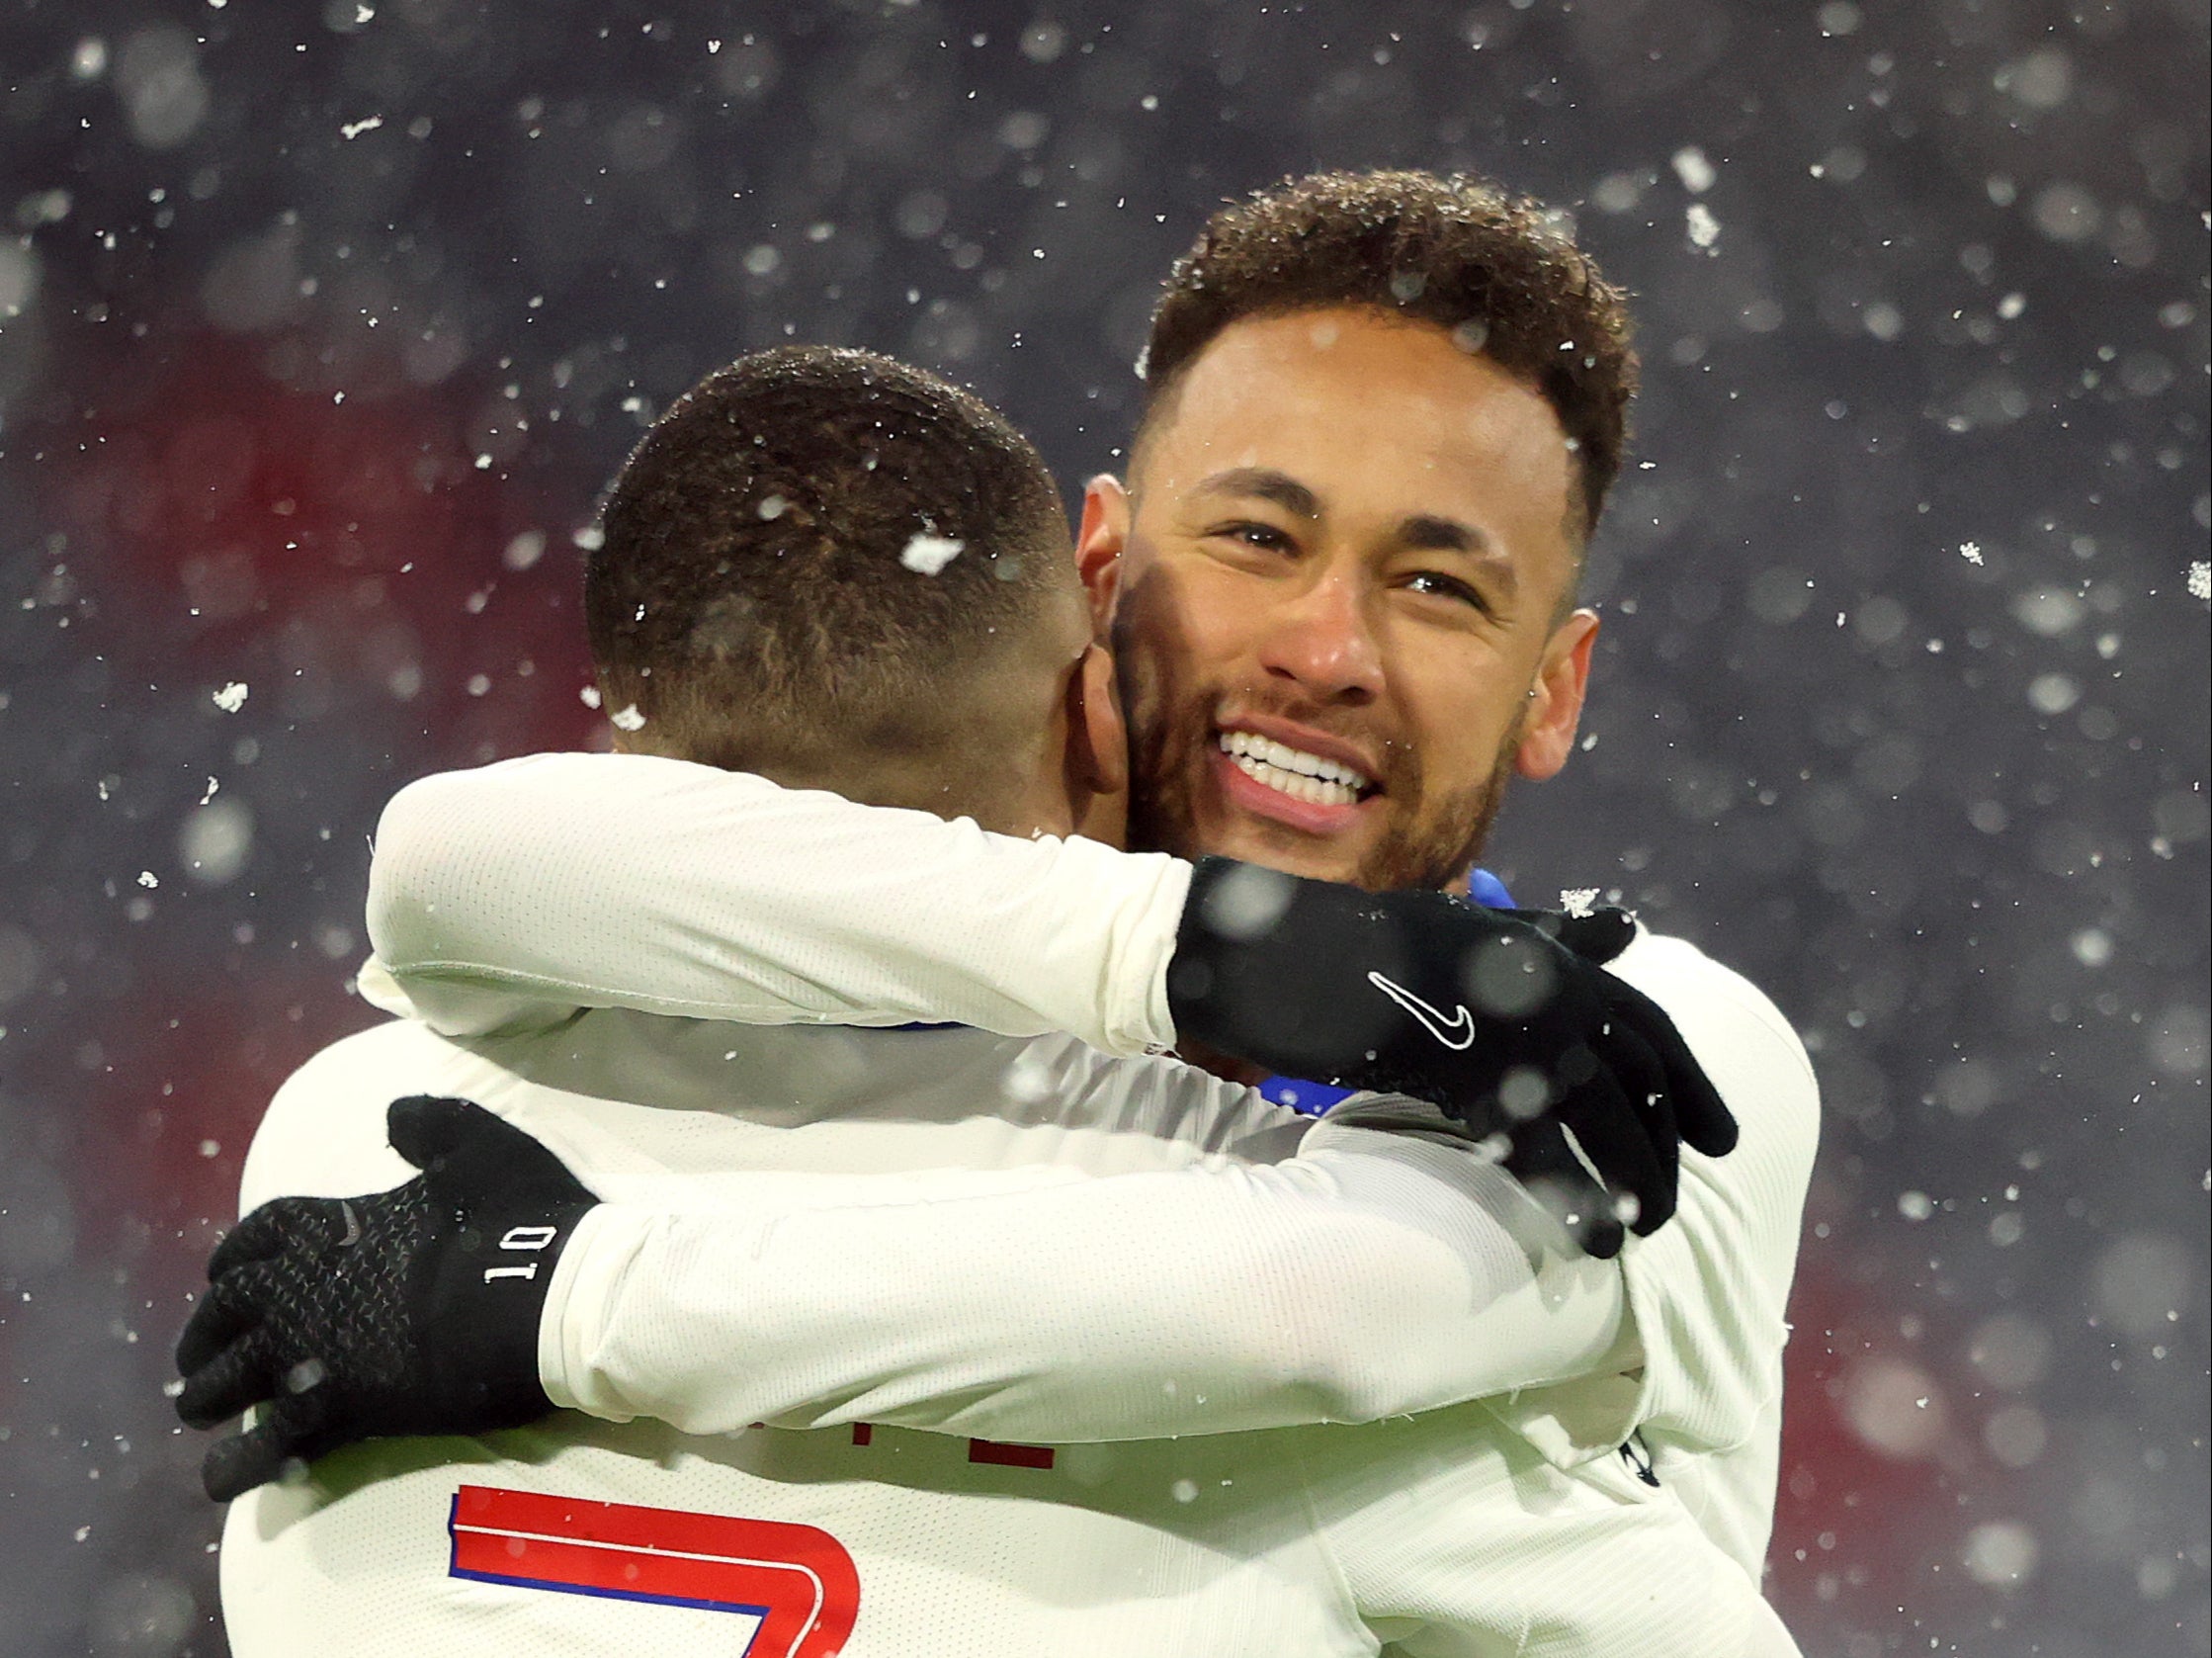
x=1409, y=1515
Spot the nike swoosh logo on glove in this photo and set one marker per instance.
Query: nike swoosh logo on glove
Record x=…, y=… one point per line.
x=1456, y=1033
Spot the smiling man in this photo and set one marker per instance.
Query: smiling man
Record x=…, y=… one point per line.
x=1384, y=412
x=1343, y=578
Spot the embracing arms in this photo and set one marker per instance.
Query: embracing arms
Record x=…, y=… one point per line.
x=1374, y=1274
x=521, y=891
x=1362, y=1280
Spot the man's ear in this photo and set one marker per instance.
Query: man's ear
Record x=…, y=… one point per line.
x=1094, y=749
x=1098, y=547
x=1555, y=709
x=1097, y=740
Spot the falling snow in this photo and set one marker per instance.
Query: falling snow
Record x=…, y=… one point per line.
x=315, y=362
x=1694, y=170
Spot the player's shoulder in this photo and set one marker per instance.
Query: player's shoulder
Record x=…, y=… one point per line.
x=345, y=1067
x=1673, y=971
x=323, y=1134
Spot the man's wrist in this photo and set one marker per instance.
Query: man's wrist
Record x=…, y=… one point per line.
x=587, y=1281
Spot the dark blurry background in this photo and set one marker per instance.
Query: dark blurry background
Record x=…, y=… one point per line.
x=321, y=324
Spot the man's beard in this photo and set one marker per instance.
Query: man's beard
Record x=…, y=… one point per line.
x=1426, y=843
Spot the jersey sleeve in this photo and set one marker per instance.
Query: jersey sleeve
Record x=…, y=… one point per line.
x=536, y=886
x=1370, y=1276
x=1708, y=1293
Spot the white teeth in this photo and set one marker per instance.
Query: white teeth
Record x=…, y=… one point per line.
x=1292, y=771
x=1252, y=746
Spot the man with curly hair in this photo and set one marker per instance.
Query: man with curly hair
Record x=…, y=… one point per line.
x=1384, y=411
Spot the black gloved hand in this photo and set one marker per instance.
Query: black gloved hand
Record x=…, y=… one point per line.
x=408, y=1311
x=1505, y=1019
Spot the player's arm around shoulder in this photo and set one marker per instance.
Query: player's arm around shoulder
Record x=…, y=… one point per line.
x=1709, y=1291
x=573, y=880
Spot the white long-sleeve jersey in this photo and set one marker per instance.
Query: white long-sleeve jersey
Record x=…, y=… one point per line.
x=1325, y=1285
x=791, y=1147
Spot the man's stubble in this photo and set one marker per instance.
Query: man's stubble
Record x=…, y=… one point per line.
x=1428, y=843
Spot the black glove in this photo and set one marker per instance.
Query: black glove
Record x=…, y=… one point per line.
x=408, y=1311
x=1505, y=1019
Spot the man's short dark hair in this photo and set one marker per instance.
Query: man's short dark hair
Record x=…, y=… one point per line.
x=818, y=555
x=1460, y=252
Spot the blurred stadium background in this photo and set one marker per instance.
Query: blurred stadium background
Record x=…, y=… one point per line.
x=321, y=326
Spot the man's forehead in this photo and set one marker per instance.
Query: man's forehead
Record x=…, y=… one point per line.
x=1348, y=404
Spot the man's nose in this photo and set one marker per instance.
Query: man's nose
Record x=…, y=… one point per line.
x=1323, y=640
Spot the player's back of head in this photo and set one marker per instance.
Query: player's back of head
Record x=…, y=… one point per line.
x=839, y=571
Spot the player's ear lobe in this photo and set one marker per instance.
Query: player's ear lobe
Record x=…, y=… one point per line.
x=1099, y=541
x=1095, y=724
x=1555, y=709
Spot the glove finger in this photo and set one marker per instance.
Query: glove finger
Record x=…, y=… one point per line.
x=1704, y=1120
x=1707, y=1124
x=467, y=1151
x=1642, y=1079
x=1613, y=1132
x=228, y=1309
x=1633, y=1062
x=425, y=1128
x=225, y=1385
x=270, y=1230
x=292, y=1430
x=1544, y=1162
x=1598, y=936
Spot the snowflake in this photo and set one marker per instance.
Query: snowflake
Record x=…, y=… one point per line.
x=1694, y=170
x=1577, y=901
x=628, y=719
x=231, y=697
x=1971, y=552
x=927, y=553
x=2201, y=580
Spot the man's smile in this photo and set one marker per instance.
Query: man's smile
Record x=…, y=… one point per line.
x=1301, y=779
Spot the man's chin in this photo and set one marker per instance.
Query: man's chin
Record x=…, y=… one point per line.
x=1254, y=839
x=1193, y=815
x=1374, y=850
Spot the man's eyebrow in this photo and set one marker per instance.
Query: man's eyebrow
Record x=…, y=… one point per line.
x=1267, y=484
x=1428, y=533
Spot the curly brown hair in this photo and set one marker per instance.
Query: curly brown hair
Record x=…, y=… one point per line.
x=1492, y=268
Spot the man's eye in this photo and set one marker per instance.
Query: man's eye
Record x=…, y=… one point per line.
x=1445, y=586
x=1263, y=536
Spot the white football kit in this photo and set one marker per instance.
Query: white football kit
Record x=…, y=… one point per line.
x=789, y=1240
